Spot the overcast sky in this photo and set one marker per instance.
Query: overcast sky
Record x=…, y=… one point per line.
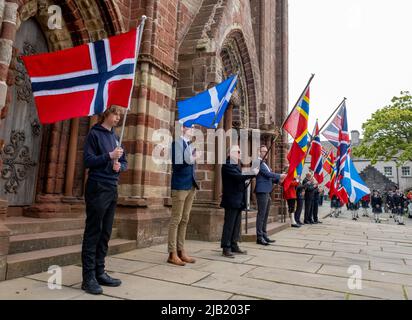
x=358, y=49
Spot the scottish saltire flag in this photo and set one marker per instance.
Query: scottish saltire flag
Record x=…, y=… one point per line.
x=297, y=126
x=207, y=108
x=353, y=183
x=84, y=80
x=316, y=163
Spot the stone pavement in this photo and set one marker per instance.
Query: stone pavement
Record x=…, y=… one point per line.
x=308, y=263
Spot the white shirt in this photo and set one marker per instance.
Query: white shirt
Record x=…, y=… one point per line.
x=267, y=167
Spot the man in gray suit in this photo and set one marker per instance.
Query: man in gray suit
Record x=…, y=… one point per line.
x=264, y=185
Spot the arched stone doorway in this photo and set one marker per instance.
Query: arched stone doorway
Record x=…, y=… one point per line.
x=21, y=130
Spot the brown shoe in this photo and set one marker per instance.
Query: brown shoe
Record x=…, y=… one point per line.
x=184, y=257
x=174, y=259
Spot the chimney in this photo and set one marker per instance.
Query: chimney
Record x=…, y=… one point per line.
x=355, y=137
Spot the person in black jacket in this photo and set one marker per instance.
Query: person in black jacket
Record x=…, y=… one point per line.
x=398, y=204
x=105, y=159
x=376, y=203
x=233, y=201
x=315, y=204
x=309, y=186
x=300, y=200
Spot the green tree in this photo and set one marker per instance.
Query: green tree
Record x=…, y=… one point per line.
x=388, y=134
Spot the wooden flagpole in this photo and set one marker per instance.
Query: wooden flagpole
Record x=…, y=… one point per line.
x=141, y=28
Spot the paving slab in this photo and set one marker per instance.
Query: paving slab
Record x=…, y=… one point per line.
x=225, y=268
x=244, y=298
x=265, y=289
x=126, y=266
x=173, y=274
x=389, y=267
x=140, y=288
x=319, y=281
x=285, y=264
x=71, y=275
x=29, y=289
x=365, y=257
x=306, y=251
x=373, y=275
x=335, y=261
x=217, y=256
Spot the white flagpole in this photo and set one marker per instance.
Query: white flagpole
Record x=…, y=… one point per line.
x=141, y=28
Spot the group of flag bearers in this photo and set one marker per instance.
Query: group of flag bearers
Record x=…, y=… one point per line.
x=98, y=78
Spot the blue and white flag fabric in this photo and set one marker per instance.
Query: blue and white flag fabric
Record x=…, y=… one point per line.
x=353, y=183
x=207, y=108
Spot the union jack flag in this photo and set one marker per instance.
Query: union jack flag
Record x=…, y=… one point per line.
x=84, y=80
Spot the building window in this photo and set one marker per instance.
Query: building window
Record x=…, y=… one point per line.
x=388, y=171
x=406, y=171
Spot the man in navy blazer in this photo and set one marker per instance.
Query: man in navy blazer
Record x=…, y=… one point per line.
x=264, y=185
x=184, y=188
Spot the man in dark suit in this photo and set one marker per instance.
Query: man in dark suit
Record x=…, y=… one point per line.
x=233, y=201
x=308, y=184
x=264, y=185
x=315, y=204
x=184, y=187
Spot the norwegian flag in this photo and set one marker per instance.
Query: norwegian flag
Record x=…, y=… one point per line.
x=84, y=80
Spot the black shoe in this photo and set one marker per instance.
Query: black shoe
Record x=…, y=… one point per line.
x=262, y=242
x=92, y=286
x=238, y=251
x=228, y=253
x=295, y=226
x=106, y=280
x=269, y=240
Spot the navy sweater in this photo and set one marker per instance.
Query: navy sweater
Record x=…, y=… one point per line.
x=99, y=143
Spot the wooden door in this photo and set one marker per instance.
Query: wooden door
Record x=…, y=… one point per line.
x=21, y=129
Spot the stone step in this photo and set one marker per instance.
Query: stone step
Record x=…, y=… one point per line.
x=25, y=225
x=271, y=228
x=22, y=264
x=250, y=214
x=47, y=240
x=251, y=222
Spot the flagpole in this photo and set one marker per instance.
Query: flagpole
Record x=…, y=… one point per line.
x=340, y=105
x=290, y=113
x=141, y=28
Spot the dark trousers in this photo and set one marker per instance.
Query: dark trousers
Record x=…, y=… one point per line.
x=299, y=208
x=263, y=203
x=291, y=205
x=308, y=209
x=231, y=229
x=315, y=210
x=101, y=200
